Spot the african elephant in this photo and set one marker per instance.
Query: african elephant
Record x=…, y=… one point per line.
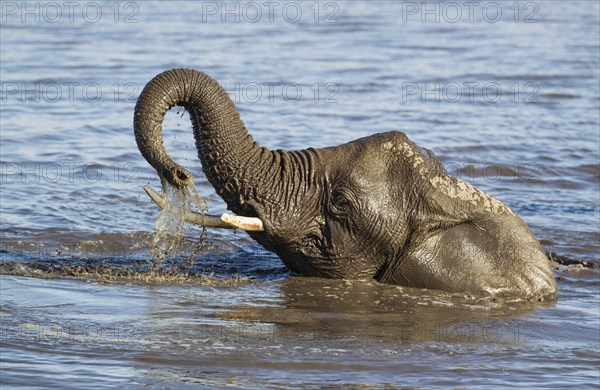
x=378, y=207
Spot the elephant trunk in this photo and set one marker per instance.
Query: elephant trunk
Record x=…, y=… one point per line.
x=225, y=148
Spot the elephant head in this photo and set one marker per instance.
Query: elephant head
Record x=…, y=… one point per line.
x=377, y=208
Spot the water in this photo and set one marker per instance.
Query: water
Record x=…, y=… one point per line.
x=515, y=111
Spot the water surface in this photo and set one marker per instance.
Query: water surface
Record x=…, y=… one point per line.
x=510, y=105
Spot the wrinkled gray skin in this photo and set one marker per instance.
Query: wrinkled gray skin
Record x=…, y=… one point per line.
x=378, y=207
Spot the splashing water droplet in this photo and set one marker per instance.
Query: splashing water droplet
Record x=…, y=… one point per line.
x=169, y=228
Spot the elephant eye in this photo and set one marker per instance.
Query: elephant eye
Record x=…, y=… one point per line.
x=340, y=201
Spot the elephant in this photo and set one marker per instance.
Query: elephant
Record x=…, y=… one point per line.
x=378, y=208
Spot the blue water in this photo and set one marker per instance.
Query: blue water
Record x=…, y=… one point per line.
x=507, y=95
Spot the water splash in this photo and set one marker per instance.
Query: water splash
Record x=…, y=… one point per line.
x=166, y=257
x=106, y=273
x=170, y=224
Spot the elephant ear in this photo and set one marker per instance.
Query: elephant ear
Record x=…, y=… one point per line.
x=436, y=166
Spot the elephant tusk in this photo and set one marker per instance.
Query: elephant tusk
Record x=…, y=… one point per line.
x=249, y=224
x=225, y=221
x=189, y=215
x=156, y=197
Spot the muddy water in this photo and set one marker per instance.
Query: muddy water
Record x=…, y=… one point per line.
x=508, y=99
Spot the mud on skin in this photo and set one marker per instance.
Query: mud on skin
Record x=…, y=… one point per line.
x=378, y=207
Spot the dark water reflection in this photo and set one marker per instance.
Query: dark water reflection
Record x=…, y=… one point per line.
x=509, y=106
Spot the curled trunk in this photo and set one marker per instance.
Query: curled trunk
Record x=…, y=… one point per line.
x=233, y=163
